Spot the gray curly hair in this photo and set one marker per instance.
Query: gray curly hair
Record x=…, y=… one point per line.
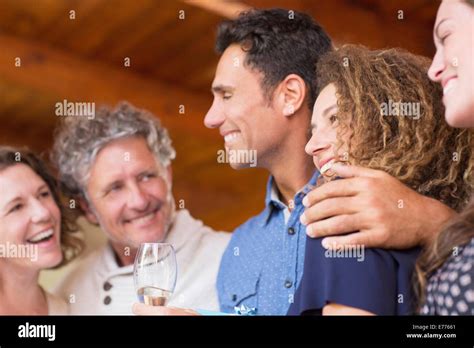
x=78, y=140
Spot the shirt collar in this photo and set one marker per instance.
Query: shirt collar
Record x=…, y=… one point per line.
x=273, y=194
x=272, y=200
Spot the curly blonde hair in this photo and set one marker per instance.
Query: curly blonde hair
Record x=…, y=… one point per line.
x=423, y=152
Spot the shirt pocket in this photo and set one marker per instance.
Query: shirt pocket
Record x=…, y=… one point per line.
x=244, y=292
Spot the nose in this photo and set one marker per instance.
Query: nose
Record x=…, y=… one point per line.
x=316, y=145
x=137, y=199
x=214, y=117
x=437, y=67
x=39, y=212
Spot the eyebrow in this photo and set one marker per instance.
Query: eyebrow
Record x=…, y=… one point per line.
x=221, y=89
x=438, y=25
x=109, y=186
x=328, y=109
x=325, y=112
x=18, y=198
x=153, y=170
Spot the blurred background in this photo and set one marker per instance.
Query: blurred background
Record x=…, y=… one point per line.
x=169, y=45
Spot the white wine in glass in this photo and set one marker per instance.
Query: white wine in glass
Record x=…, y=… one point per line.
x=154, y=273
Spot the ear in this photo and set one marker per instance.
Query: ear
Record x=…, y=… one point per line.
x=291, y=95
x=90, y=216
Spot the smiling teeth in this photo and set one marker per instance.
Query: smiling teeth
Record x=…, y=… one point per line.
x=144, y=219
x=230, y=137
x=42, y=235
x=449, y=86
x=327, y=166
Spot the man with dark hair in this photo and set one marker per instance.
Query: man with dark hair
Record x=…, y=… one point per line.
x=270, y=39
x=264, y=90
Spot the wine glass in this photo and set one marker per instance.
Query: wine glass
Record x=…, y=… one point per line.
x=154, y=273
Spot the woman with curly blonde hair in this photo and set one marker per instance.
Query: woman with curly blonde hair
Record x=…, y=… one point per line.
x=378, y=109
x=36, y=232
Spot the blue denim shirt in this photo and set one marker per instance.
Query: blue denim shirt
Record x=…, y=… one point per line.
x=263, y=263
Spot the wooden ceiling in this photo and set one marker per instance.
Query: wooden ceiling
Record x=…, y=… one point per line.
x=172, y=63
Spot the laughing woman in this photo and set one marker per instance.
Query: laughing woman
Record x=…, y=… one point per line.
x=35, y=234
x=378, y=109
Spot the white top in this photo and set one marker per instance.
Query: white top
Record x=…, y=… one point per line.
x=56, y=305
x=97, y=285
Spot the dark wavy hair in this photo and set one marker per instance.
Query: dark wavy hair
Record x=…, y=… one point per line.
x=277, y=43
x=71, y=242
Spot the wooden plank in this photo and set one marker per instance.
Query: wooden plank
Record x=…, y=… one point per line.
x=220, y=196
x=68, y=77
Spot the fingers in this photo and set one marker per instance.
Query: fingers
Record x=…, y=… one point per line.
x=336, y=188
x=350, y=186
x=142, y=309
x=349, y=171
x=366, y=238
x=189, y=312
x=335, y=225
x=328, y=208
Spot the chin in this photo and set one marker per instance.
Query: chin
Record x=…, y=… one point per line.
x=154, y=236
x=237, y=166
x=459, y=117
x=50, y=261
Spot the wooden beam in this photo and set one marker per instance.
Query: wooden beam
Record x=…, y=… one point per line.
x=54, y=72
x=209, y=189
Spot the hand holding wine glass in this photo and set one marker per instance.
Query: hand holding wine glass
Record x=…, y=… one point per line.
x=154, y=273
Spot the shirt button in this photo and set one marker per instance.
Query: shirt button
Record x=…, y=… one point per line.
x=291, y=231
x=107, y=300
x=234, y=297
x=107, y=286
x=288, y=284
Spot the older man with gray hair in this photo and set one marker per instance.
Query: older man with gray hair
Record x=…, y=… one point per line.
x=118, y=167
